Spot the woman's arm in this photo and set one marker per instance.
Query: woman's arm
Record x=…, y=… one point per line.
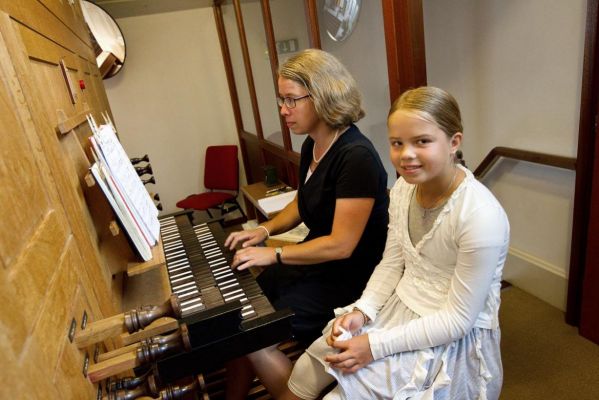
x=288, y=218
x=349, y=222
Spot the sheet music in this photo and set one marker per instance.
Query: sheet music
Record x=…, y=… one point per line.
x=125, y=182
x=120, y=209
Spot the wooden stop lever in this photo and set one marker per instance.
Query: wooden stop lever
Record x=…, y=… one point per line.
x=148, y=351
x=130, y=321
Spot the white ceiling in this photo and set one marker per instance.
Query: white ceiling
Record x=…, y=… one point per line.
x=130, y=8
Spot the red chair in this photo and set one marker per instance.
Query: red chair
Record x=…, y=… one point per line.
x=221, y=179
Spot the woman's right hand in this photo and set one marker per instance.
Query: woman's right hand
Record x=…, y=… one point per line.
x=246, y=238
x=351, y=322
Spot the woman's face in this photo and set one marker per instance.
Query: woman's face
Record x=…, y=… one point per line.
x=302, y=118
x=420, y=151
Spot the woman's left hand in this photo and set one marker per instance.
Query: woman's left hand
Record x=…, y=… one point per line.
x=253, y=256
x=354, y=354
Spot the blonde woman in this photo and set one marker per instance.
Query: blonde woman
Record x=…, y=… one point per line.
x=426, y=326
x=341, y=197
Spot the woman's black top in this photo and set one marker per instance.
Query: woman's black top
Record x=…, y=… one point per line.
x=351, y=169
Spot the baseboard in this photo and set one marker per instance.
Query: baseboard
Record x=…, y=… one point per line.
x=537, y=277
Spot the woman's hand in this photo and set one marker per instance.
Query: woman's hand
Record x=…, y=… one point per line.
x=246, y=238
x=253, y=256
x=354, y=354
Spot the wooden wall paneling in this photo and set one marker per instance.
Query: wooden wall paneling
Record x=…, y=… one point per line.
x=585, y=158
x=280, y=164
x=248, y=68
x=60, y=170
x=70, y=14
x=37, y=17
x=254, y=152
x=312, y=18
x=224, y=47
x=38, y=279
x=404, y=41
x=274, y=66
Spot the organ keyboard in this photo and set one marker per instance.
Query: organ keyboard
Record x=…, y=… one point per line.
x=220, y=314
x=225, y=308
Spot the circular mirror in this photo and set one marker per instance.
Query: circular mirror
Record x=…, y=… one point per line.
x=107, y=39
x=340, y=18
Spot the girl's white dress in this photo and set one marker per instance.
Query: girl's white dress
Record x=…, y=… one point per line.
x=434, y=306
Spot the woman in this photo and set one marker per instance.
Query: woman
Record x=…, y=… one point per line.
x=426, y=326
x=342, y=198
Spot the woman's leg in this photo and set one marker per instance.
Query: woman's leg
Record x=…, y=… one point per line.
x=273, y=368
x=240, y=375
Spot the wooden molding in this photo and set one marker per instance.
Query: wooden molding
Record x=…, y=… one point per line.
x=522, y=155
x=157, y=260
x=66, y=124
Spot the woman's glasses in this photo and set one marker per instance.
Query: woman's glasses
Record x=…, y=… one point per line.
x=289, y=101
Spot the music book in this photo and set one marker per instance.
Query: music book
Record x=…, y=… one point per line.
x=124, y=215
x=125, y=181
x=124, y=190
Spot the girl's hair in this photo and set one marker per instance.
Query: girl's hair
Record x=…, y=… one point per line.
x=433, y=105
x=333, y=90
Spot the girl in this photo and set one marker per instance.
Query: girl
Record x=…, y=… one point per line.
x=426, y=326
x=342, y=198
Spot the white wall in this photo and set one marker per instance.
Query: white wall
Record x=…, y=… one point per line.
x=365, y=56
x=515, y=67
x=171, y=100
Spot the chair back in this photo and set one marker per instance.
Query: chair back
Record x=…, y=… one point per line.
x=221, y=169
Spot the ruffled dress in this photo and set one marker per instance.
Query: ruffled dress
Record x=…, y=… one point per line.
x=426, y=343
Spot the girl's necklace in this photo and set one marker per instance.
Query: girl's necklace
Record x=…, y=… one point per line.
x=426, y=211
x=326, y=151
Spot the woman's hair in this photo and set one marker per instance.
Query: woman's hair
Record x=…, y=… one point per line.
x=433, y=105
x=333, y=90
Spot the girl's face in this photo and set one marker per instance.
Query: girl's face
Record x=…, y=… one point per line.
x=302, y=118
x=420, y=151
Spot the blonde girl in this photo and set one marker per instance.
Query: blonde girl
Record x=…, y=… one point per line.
x=426, y=326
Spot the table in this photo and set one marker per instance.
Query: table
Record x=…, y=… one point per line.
x=254, y=192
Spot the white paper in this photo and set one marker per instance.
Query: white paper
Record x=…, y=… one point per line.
x=276, y=203
x=124, y=216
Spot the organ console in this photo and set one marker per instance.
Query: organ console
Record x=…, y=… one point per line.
x=213, y=315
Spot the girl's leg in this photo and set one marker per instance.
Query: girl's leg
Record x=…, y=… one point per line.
x=272, y=368
x=240, y=374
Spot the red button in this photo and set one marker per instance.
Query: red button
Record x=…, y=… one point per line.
x=81, y=84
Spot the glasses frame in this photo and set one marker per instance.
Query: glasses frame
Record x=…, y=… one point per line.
x=290, y=102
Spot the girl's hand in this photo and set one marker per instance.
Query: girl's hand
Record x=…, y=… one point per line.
x=247, y=238
x=351, y=322
x=354, y=354
x=252, y=256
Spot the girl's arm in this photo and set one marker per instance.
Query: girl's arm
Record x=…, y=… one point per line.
x=482, y=247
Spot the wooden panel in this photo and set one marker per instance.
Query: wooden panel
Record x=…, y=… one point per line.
x=36, y=16
x=21, y=184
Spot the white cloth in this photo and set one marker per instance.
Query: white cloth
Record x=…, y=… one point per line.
x=434, y=306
